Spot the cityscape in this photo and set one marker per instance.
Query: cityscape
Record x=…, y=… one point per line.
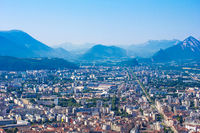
x=145, y=98
x=99, y=82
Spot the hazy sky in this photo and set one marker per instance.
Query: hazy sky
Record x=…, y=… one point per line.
x=102, y=21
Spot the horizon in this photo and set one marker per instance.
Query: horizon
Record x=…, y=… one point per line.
x=61, y=45
x=102, y=22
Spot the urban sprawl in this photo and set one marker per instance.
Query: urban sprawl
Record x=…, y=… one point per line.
x=112, y=99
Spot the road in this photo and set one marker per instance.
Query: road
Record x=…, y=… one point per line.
x=143, y=89
x=147, y=96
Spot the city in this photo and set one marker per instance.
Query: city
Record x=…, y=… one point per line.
x=99, y=66
x=144, y=98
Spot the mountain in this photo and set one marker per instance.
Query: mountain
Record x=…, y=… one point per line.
x=187, y=49
x=102, y=52
x=20, y=44
x=147, y=49
x=21, y=64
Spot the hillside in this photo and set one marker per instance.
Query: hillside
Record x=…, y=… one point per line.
x=101, y=52
x=22, y=64
x=20, y=44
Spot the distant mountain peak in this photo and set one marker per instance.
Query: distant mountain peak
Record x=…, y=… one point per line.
x=190, y=42
x=98, y=45
x=190, y=38
x=187, y=49
x=14, y=31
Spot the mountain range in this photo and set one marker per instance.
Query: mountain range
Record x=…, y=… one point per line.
x=187, y=49
x=19, y=44
x=149, y=48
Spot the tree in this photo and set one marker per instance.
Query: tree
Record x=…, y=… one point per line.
x=114, y=103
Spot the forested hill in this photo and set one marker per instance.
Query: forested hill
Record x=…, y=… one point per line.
x=21, y=64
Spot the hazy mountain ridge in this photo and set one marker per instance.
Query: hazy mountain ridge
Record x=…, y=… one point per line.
x=149, y=48
x=76, y=48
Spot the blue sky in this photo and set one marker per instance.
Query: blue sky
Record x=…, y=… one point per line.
x=102, y=21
